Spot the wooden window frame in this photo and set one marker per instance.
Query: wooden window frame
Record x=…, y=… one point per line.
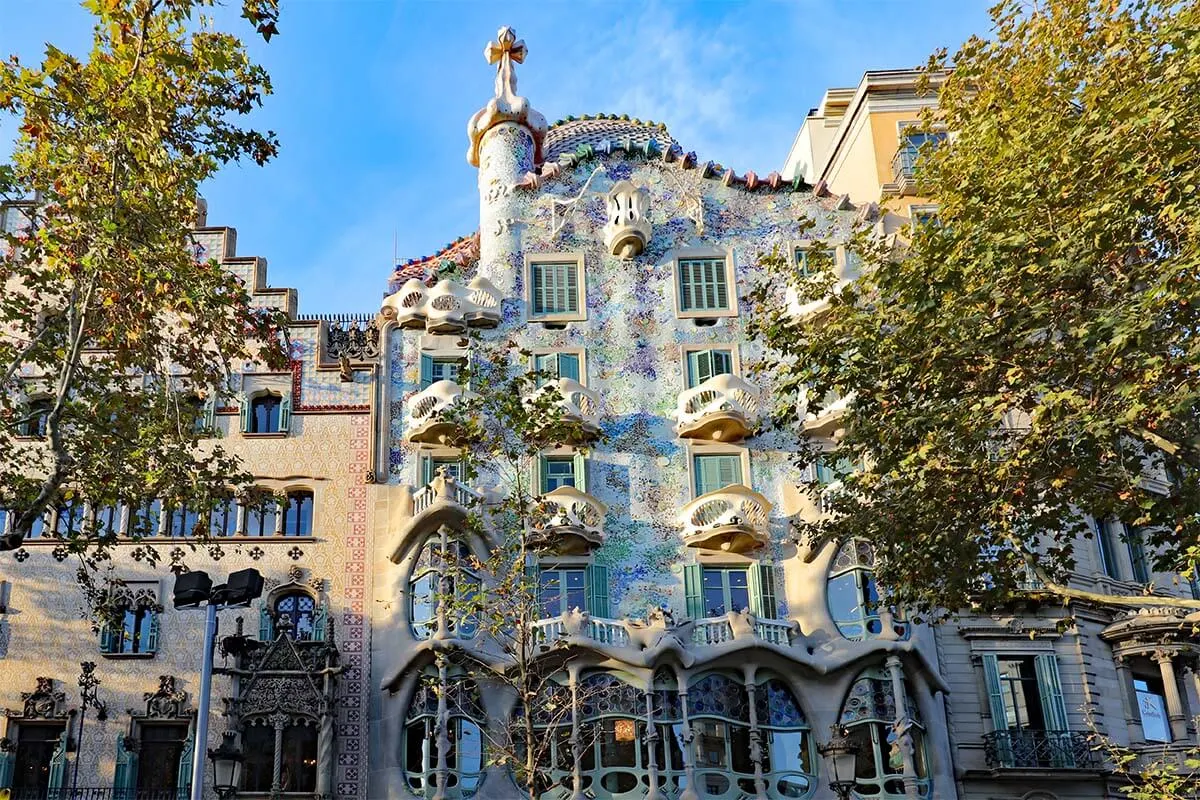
x=576, y=258
x=695, y=253
x=716, y=449
x=569, y=351
x=687, y=349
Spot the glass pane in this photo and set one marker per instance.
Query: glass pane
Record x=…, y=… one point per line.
x=557, y=471
x=1152, y=709
x=844, y=604
x=712, y=746
x=618, y=743
x=258, y=745
x=299, y=770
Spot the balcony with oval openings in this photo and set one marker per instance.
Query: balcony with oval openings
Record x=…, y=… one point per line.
x=725, y=408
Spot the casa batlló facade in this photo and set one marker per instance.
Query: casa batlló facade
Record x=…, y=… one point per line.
x=714, y=649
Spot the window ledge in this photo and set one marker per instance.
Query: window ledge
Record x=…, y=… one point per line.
x=128, y=656
x=275, y=435
x=50, y=541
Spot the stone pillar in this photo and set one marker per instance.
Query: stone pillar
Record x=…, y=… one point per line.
x=1194, y=679
x=325, y=756
x=689, y=736
x=442, y=732
x=278, y=721
x=1171, y=689
x=1128, y=701
x=576, y=739
x=505, y=155
x=904, y=741
x=756, y=745
x=651, y=741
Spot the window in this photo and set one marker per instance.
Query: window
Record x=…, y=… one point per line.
x=703, y=286
x=40, y=762
x=262, y=514
x=145, y=518
x=853, y=596
x=827, y=471
x=923, y=216
x=1106, y=545
x=1138, y=562
x=714, y=591
x=440, y=368
x=164, y=759
x=557, y=365
x=868, y=714
x=297, y=758
x=134, y=632
x=430, y=465
x=814, y=260
x=222, y=520
x=1029, y=715
x=300, y=611
x=1152, y=708
x=465, y=754
x=109, y=519
x=555, y=288
x=68, y=518
x=183, y=521
x=265, y=413
x=705, y=364
x=911, y=141
x=443, y=569
x=554, y=471
x=34, y=423
x=566, y=588
x=711, y=472
x=298, y=514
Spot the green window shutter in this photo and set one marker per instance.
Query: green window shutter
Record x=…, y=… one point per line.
x=713, y=472
x=596, y=579
x=426, y=470
x=184, y=775
x=244, y=411
x=539, y=475
x=7, y=762
x=730, y=471
x=58, y=765
x=151, y=643
x=320, y=619
x=545, y=363
x=722, y=362
x=571, y=284
x=705, y=474
x=568, y=366
x=125, y=778
x=991, y=677
x=693, y=590
x=699, y=367
x=108, y=639
x=685, y=286
x=285, y=412
x=265, y=626
x=580, y=472
x=1054, y=709
x=210, y=412
x=761, y=579
x=426, y=371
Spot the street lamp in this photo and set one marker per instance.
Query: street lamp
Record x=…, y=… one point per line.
x=192, y=589
x=841, y=752
x=227, y=767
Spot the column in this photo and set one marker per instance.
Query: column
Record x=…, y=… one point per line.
x=278, y=720
x=903, y=720
x=756, y=750
x=1128, y=703
x=651, y=741
x=576, y=739
x=689, y=736
x=1171, y=689
x=442, y=732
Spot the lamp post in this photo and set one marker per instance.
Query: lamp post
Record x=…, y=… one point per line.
x=88, y=698
x=841, y=752
x=227, y=767
x=191, y=590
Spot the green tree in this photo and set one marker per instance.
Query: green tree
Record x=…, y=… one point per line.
x=1033, y=355
x=488, y=606
x=114, y=333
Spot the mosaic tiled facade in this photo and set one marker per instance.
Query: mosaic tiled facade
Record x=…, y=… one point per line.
x=721, y=648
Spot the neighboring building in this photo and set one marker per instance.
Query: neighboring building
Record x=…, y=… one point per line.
x=622, y=263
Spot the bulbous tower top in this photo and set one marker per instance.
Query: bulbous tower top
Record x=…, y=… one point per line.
x=507, y=105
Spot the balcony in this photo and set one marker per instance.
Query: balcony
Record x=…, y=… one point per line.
x=568, y=521
x=447, y=307
x=718, y=630
x=574, y=416
x=1032, y=749
x=732, y=520
x=904, y=164
x=430, y=417
x=99, y=793
x=648, y=634
x=442, y=501
x=828, y=419
x=601, y=631
x=724, y=409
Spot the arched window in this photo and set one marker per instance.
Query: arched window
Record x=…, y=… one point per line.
x=144, y=519
x=264, y=413
x=262, y=513
x=788, y=763
x=183, y=521
x=222, y=520
x=133, y=629
x=298, y=513
x=869, y=714
x=853, y=595
x=300, y=609
x=68, y=518
x=33, y=423
x=465, y=756
x=441, y=558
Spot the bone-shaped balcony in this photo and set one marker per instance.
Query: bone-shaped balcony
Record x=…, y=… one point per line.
x=724, y=409
x=732, y=520
x=568, y=521
x=442, y=501
x=571, y=418
x=447, y=307
x=826, y=420
x=431, y=413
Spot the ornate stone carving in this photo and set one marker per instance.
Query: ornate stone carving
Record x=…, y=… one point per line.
x=628, y=228
x=44, y=702
x=352, y=340
x=507, y=105
x=167, y=702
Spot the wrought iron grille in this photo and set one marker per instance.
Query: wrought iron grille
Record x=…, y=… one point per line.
x=1014, y=749
x=100, y=793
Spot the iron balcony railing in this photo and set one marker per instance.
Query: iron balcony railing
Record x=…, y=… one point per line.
x=100, y=793
x=904, y=164
x=1018, y=749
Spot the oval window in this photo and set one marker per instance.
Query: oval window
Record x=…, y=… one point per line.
x=714, y=783
x=792, y=786
x=619, y=782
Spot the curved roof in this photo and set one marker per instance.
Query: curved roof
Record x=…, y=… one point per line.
x=566, y=136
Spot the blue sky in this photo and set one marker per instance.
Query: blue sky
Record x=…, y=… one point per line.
x=372, y=99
